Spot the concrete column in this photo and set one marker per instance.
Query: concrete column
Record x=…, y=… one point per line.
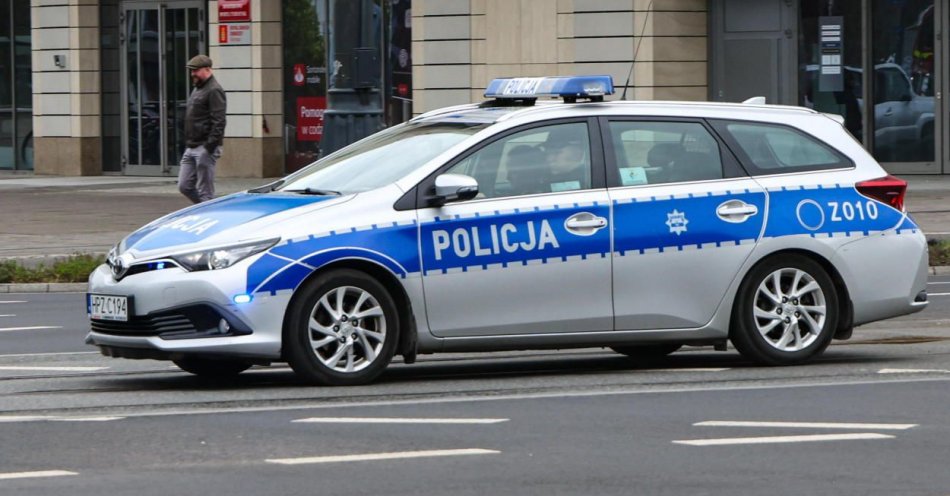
x=66, y=104
x=459, y=46
x=251, y=77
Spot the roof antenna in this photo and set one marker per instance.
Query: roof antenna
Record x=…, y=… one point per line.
x=635, y=52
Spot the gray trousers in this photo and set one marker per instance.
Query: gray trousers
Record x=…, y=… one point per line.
x=196, y=173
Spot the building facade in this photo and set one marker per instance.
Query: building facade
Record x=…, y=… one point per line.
x=91, y=87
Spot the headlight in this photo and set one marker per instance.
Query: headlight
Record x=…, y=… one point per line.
x=222, y=257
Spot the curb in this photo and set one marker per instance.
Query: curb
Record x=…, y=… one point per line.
x=45, y=287
x=939, y=270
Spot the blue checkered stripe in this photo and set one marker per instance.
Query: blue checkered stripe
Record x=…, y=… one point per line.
x=505, y=238
x=831, y=211
x=521, y=237
x=680, y=222
x=286, y=265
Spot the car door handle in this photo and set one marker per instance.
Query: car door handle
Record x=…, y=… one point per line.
x=584, y=224
x=736, y=211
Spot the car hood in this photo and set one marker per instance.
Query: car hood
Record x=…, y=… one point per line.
x=232, y=218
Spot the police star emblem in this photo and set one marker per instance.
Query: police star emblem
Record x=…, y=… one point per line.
x=676, y=221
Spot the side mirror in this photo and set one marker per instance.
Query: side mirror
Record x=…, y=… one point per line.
x=454, y=187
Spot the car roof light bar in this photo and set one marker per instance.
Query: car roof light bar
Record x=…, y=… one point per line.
x=570, y=88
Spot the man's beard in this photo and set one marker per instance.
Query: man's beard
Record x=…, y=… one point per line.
x=195, y=80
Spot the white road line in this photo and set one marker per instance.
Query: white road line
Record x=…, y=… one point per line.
x=783, y=439
x=11, y=301
x=806, y=425
x=913, y=371
x=30, y=328
x=43, y=473
x=696, y=369
x=50, y=369
x=392, y=420
x=380, y=456
x=939, y=282
x=938, y=294
x=47, y=418
x=7, y=315
x=84, y=419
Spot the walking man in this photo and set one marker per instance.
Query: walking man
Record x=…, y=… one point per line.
x=204, y=132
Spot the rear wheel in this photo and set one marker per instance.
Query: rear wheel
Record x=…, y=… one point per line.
x=786, y=311
x=342, y=329
x=647, y=352
x=211, y=368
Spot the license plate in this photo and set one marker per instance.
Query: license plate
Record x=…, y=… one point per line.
x=109, y=307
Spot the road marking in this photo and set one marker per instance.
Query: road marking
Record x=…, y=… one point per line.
x=913, y=371
x=84, y=419
x=7, y=315
x=11, y=301
x=806, y=425
x=381, y=456
x=938, y=294
x=47, y=418
x=50, y=369
x=939, y=282
x=31, y=328
x=696, y=369
x=391, y=420
x=43, y=473
x=783, y=439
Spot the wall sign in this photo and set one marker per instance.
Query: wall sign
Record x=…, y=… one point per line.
x=234, y=10
x=831, y=49
x=234, y=34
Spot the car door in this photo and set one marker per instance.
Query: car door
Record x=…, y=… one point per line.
x=530, y=254
x=685, y=219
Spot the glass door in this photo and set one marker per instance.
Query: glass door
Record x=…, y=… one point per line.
x=157, y=42
x=904, y=88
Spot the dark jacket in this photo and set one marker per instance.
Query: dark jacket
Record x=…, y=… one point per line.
x=205, y=115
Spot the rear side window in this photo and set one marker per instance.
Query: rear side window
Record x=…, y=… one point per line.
x=649, y=152
x=774, y=149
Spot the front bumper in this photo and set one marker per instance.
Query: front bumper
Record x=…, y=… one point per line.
x=176, y=312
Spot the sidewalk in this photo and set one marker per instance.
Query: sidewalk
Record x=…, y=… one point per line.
x=47, y=217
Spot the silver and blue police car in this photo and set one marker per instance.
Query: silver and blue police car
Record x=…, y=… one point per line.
x=519, y=224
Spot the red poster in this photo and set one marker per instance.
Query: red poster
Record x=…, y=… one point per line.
x=234, y=10
x=310, y=117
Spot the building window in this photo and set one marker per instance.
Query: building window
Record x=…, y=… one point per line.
x=902, y=49
x=16, y=86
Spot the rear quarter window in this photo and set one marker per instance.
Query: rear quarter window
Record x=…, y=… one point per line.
x=775, y=149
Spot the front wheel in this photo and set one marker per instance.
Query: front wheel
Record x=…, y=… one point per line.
x=786, y=311
x=342, y=329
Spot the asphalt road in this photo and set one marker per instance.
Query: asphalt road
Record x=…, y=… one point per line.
x=869, y=417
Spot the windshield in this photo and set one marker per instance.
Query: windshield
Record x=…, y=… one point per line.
x=381, y=159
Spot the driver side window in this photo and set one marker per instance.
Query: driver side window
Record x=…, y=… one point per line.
x=539, y=160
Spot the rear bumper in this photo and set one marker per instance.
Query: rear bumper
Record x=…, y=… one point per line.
x=885, y=273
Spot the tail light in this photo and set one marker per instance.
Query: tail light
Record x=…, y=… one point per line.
x=887, y=189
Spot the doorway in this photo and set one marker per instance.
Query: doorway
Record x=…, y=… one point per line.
x=157, y=40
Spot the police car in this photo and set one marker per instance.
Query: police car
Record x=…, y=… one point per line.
x=528, y=222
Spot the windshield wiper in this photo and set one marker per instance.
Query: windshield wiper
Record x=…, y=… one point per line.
x=314, y=191
x=267, y=188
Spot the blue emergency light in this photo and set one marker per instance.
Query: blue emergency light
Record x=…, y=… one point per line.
x=570, y=88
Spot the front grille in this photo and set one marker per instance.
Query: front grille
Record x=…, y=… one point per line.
x=150, y=325
x=193, y=321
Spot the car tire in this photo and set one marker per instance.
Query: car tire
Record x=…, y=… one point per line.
x=647, y=352
x=779, y=299
x=324, y=346
x=211, y=368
